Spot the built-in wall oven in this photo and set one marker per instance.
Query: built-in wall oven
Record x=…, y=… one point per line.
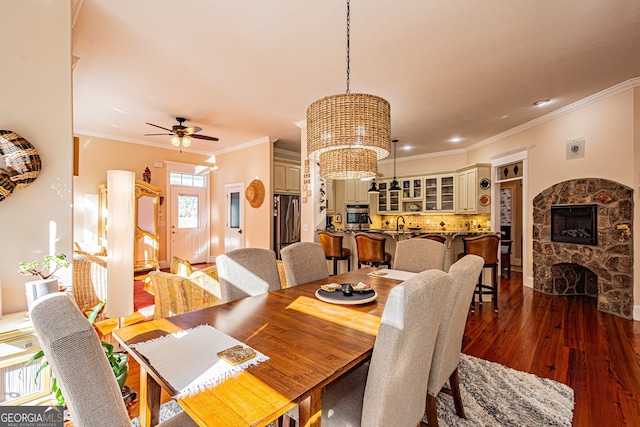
x=357, y=217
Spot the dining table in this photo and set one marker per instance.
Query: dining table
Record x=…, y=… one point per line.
x=309, y=343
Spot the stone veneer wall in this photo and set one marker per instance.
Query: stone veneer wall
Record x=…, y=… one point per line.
x=611, y=260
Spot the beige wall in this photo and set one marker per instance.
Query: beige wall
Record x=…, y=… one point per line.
x=36, y=93
x=244, y=165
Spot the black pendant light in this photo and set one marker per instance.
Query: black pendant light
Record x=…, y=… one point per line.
x=374, y=187
x=394, y=184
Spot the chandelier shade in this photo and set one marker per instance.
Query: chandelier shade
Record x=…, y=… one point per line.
x=348, y=163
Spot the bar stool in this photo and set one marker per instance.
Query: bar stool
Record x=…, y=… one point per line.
x=437, y=237
x=485, y=246
x=333, y=250
x=371, y=250
x=505, y=256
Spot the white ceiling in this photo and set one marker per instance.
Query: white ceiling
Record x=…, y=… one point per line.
x=246, y=70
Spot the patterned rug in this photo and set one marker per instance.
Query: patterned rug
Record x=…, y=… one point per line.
x=493, y=396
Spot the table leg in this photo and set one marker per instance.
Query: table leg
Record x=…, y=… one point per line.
x=310, y=410
x=149, y=401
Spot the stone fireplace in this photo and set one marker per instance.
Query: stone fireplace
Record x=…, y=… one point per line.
x=602, y=269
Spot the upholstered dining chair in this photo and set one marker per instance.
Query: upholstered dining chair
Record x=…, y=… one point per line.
x=304, y=262
x=175, y=294
x=247, y=272
x=73, y=350
x=418, y=255
x=485, y=246
x=333, y=250
x=387, y=391
x=446, y=355
x=371, y=250
x=437, y=237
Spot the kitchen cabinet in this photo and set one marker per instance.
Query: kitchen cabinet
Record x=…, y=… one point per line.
x=388, y=200
x=286, y=177
x=356, y=191
x=411, y=188
x=331, y=196
x=439, y=193
x=468, y=197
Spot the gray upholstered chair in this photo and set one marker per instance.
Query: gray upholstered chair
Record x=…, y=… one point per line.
x=388, y=391
x=73, y=350
x=418, y=255
x=247, y=272
x=446, y=354
x=304, y=262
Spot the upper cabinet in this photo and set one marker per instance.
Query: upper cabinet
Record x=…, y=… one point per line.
x=388, y=200
x=469, y=196
x=286, y=177
x=356, y=191
x=439, y=193
x=331, y=196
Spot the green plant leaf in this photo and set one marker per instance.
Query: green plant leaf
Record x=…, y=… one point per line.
x=95, y=310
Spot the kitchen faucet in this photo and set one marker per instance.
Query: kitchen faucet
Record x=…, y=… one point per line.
x=398, y=222
x=363, y=218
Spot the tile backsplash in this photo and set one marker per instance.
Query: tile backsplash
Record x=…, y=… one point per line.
x=452, y=222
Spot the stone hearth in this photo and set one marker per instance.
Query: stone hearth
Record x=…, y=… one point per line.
x=604, y=271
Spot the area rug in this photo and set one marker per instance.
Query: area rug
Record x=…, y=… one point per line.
x=493, y=396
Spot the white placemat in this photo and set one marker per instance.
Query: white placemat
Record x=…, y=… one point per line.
x=392, y=274
x=188, y=359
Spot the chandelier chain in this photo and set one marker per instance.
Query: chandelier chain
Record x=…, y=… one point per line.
x=348, y=47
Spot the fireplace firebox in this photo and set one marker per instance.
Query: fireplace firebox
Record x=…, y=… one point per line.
x=575, y=224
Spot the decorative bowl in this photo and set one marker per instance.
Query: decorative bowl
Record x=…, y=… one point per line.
x=414, y=207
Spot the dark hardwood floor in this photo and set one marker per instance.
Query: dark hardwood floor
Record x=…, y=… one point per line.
x=562, y=338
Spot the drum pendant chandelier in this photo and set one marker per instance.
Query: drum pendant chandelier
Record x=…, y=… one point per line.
x=348, y=133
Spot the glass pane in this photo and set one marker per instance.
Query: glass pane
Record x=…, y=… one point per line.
x=198, y=181
x=234, y=215
x=188, y=211
x=175, y=178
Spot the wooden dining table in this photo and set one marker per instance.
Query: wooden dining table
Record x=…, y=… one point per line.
x=310, y=344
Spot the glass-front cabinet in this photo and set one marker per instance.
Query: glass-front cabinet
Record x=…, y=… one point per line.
x=388, y=200
x=439, y=193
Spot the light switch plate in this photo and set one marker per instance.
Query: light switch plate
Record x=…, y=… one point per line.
x=575, y=148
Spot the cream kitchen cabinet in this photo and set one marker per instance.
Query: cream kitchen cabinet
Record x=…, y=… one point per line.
x=439, y=193
x=388, y=200
x=286, y=177
x=356, y=191
x=468, y=197
x=331, y=196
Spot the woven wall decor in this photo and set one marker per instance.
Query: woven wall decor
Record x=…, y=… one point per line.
x=22, y=160
x=255, y=193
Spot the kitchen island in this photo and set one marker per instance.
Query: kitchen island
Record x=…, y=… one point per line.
x=453, y=243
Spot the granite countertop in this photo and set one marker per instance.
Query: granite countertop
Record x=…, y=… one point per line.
x=392, y=231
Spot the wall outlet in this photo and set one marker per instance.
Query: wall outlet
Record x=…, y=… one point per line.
x=305, y=227
x=158, y=165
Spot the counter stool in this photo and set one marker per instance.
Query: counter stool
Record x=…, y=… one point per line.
x=371, y=250
x=333, y=250
x=505, y=256
x=437, y=237
x=485, y=246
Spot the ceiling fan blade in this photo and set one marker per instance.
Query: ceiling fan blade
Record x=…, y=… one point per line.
x=192, y=130
x=208, y=138
x=154, y=134
x=168, y=130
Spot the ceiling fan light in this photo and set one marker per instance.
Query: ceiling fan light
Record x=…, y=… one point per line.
x=175, y=140
x=186, y=141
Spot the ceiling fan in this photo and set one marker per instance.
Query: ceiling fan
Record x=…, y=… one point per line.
x=181, y=131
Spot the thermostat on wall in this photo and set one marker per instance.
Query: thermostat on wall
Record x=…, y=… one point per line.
x=575, y=148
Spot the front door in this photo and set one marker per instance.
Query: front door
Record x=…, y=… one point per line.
x=234, y=237
x=189, y=223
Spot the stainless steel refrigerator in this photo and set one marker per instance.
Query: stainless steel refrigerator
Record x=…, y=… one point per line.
x=286, y=217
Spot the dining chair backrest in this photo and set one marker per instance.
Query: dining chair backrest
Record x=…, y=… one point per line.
x=418, y=255
x=80, y=366
x=401, y=359
x=446, y=354
x=437, y=237
x=304, y=262
x=247, y=272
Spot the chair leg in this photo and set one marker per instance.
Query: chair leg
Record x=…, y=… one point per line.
x=335, y=266
x=454, y=382
x=480, y=280
x=432, y=411
x=348, y=264
x=495, y=288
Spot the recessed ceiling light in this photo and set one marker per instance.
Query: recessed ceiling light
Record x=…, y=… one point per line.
x=455, y=139
x=542, y=102
x=407, y=147
x=505, y=116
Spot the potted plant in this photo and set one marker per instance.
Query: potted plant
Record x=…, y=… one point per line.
x=47, y=282
x=119, y=364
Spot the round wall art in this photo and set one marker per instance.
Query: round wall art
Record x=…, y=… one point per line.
x=22, y=160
